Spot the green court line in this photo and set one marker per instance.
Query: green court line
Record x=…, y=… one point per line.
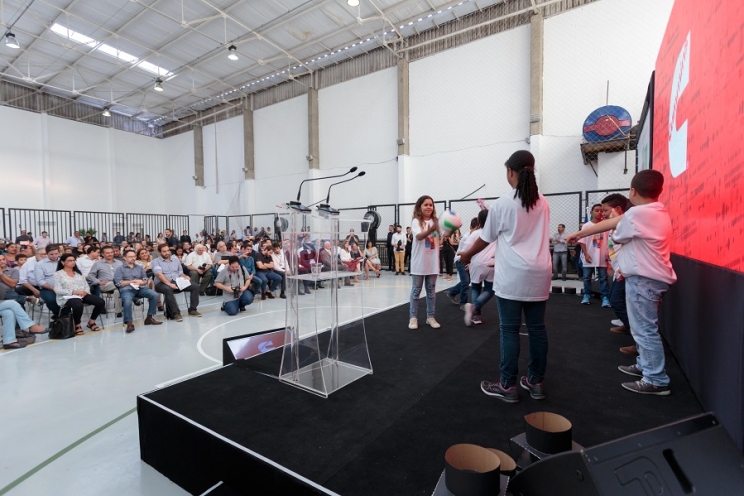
x=62, y=452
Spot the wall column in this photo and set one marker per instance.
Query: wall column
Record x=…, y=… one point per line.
x=198, y=156
x=536, y=73
x=249, y=167
x=313, y=125
x=404, y=146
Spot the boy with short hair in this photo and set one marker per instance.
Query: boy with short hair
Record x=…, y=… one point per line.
x=646, y=234
x=613, y=206
x=594, y=258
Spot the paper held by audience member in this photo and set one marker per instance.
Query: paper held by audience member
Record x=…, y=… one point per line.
x=221, y=268
x=182, y=283
x=70, y=297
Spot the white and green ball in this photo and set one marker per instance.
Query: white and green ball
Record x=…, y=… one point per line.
x=449, y=222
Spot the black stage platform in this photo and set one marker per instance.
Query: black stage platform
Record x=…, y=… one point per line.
x=387, y=433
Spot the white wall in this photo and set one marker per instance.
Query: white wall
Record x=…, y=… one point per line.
x=470, y=110
x=609, y=40
x=280, y=136
x=358, y=123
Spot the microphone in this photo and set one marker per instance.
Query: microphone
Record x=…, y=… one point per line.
x=325, y=206
x=298, y=205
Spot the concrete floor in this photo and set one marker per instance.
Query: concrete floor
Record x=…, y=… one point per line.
x=68, y=406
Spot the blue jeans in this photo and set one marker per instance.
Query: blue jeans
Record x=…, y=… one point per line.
x=128, y=294
x=268, y=275
x=431, y=285
x=234, y=306
x=562, y=257
x=50, y=298
x=12, y=314
x=462, y=286
x=481, y=292
x=643, y=297
x=617, y=301
x=510, y=317
x=604, y=289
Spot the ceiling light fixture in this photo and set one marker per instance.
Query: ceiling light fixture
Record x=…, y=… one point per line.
x=232, y=52
x=10, y=41
x=158, y=85
x=106, y=112
x=353, y=3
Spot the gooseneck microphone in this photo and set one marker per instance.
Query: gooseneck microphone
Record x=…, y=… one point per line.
x=325, y=206
x=299, y=190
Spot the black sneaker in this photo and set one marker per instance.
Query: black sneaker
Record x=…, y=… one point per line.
x=536, y=390
x=631, y=370
x=495, y=389
x=645, y=388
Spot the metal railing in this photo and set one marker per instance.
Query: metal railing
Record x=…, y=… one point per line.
x=146, y=225
x=178, y=224
x=99, y=223
x=55, y=222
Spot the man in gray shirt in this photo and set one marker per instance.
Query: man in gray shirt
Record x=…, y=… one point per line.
x=101, y=277
x=132, y=283
x=560, y=251
x=234, y=282
x=44, y=272
x=167, y=270
x=9, y=280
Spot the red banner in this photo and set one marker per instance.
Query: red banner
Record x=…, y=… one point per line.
x=699, y=129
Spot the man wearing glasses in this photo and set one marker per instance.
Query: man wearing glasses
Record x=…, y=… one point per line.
x=168, y=271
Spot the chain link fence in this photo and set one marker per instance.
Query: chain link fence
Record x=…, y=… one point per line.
x=594, y=197
x=405, y=213
x=467, y=210
x=565, y=208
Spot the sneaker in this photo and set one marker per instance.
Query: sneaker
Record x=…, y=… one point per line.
x=620, y=330
x=433, y=323
x=194, y=313
x=469, y=310
x=631, y=370
x=616, y=322
x=586, y=300
x=413, y=324
x=477, y=320
x=178, y=317
x=283, y=296
x=454, y=298
x=629, y=350
x=137, y=302
x=495, y=389
x=645, y=388
x=536, y=390
x=606, y=302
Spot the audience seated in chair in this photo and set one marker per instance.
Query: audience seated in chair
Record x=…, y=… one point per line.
x=73, y=293
x=132, y=282
x=13, y=316
x=199, y=263
x=167, y=270
x=101, y=277
x=9, y=278
x=44, y=272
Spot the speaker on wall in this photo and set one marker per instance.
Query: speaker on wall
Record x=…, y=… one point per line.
x=692, y=456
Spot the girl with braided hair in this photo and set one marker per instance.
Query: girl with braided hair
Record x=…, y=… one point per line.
x=520, y=222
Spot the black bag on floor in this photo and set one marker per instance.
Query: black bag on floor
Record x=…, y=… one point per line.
x=63, y=328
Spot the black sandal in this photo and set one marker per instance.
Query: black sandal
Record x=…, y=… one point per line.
x=14, y=346
x=93, y=327
x=79, y=330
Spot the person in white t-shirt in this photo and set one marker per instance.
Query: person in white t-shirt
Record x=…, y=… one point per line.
x=613, y=206
x=645, y=232
x=424, y=260
x=594, y=258
x=461, y=288
x=520, y=223
x=481, y=273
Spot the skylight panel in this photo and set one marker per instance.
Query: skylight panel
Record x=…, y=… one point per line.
x=109, y=50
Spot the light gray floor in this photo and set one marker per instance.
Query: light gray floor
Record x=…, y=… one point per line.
x=60, y=397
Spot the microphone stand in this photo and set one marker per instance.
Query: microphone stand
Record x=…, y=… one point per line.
x=297, y=205
x=325, y=207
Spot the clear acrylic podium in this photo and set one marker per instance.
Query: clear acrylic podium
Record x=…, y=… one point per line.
x=325, y=344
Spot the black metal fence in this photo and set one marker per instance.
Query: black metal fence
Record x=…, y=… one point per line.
x=388, y=215
x=263, y=221
x=214, y=224
x=56, y=223
x=2, y=221
x=179, y=224
x=103, y=225
x=147, y=225
x=238, y=223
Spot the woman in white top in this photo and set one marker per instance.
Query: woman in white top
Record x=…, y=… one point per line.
x=521, y=224
x=371, y=260
x=480, y=274
x=73, y=293
x=424, y=260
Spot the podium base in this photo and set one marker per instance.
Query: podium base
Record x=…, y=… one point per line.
x=325, y=377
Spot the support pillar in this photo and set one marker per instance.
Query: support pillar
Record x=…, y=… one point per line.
x=403, y=107
x=536, y=73
x=313, y=125
x=249, y=167
x=198, y=156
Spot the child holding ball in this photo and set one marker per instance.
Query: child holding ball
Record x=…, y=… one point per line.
x=424, y=259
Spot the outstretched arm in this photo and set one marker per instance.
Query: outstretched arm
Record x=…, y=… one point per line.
x=597, y=228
